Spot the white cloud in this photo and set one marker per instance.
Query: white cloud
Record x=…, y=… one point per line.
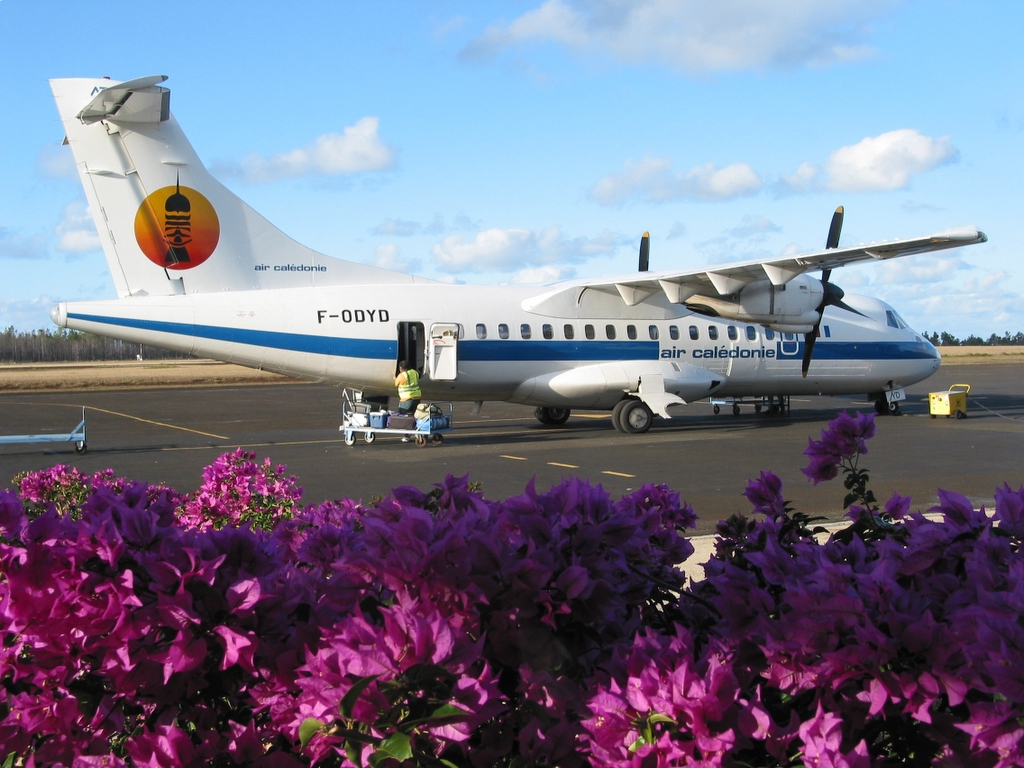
x=14, y=246
x=504, y=250
x=875, y=164
x=678, y=229
x=76, y=231
x=916, y=269
x=694, y=36
x=357, y=150
x=542, y=275
x=389, y=256
x=397, y=227
x=26, y=314
x=753, y=227
x=653, y=180
x=887, y=161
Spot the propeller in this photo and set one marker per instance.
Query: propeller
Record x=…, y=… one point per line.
x=645, y=252
x=832, y=295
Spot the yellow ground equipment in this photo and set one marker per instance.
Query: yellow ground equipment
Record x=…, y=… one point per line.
x=950, y=403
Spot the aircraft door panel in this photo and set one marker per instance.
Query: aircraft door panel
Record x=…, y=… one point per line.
x=442, y=355
x=411, y=345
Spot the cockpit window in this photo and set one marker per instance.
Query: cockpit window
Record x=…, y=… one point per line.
x=894, y=321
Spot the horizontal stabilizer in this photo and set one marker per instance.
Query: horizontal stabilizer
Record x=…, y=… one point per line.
x=133, y=101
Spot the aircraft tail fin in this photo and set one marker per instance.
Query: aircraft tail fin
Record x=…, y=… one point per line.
x=167, y=226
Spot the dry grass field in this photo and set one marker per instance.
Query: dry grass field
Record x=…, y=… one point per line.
x=186, y=373
x=129, y=375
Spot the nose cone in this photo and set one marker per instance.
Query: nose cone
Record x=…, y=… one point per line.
x=59, y=315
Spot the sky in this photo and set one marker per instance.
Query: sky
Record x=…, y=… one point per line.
x=534, y=141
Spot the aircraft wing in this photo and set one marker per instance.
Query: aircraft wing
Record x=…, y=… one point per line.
x=680, y=285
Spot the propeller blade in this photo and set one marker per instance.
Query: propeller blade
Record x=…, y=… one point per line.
x=645, y=252
x=809, y=339
x=832, y=295
x=835, y=228
x=843, y=305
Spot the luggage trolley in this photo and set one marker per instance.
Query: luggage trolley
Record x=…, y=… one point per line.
x=360, y=417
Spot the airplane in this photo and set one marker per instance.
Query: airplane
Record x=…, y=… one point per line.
x=199, y=271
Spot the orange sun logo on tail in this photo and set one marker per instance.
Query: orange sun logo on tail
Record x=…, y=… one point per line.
x=177, y=228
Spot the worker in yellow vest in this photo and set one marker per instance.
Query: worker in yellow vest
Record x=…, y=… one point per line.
x=408, y=383
x=409, y=394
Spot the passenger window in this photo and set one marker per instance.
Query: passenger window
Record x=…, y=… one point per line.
x=502, y=331
x=751, y=333
x=828, y=333
x=769, y=334
x=712, y=332
x=481, y=331
x=673, y=332
x=732, y=333
x=524, y=331
x=694, y=333
x=789, y=336
x=588, y=331
x=569, y=331
x=653, y=330
x=609, y=331
x=547, y=331
x=631, y=332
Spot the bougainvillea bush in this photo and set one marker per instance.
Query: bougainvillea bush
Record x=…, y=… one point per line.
x=231, y=627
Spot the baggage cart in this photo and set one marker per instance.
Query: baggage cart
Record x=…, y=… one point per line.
x=359, y=417
x=952, y=402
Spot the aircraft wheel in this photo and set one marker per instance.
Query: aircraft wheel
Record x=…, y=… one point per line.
x=369, y=436
x=636, y=417
x=735, y=410
x=717, y=410
x=757, y=408
x=421, y=441
x=438, y=439
x=893, y=408
x=552, y=417
x=350, y=437
x=80, y=447
x=617, y=414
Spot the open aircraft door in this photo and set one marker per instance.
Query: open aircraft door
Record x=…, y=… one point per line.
x=443, y=351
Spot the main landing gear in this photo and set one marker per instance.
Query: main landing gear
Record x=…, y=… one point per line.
x=552, y=417
x=633, y=417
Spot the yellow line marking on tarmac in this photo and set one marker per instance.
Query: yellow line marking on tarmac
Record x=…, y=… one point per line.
x=592, y=415
x=617, y=474
x=158, y=423
x=515, y=458
x=567, y=466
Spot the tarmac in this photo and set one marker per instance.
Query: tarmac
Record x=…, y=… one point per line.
x=169, y=435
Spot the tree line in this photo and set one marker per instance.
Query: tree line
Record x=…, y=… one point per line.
x=65, y=346
x=945, y=339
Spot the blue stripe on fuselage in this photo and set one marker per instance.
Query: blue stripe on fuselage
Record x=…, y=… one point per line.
x=369, y=349
x=505, y=350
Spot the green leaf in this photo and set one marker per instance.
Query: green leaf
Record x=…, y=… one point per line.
x=443, y=715
x=353, y=753
x=348, y=703
x=9, y=762
x=309, y=728
x=397, y=745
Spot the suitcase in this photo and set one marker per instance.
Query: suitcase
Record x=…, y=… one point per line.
x=401, y=422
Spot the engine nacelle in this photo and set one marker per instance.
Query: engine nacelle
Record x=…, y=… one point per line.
x=789, y=308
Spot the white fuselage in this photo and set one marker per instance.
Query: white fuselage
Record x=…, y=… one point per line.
x=498, y=350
